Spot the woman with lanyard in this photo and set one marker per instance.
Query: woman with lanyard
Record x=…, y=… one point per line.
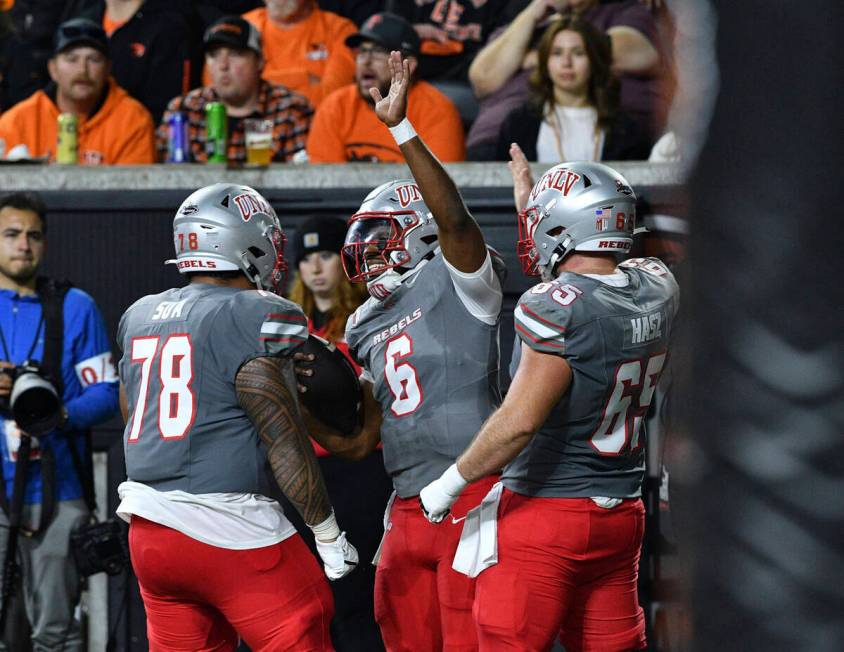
x=359, y=490
x=573, y=113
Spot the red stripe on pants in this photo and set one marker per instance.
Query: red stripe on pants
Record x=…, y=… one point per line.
x=199, y=597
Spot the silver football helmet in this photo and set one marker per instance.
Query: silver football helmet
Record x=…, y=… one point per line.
x=227, y=227
x=580, y=206
x=392, y=229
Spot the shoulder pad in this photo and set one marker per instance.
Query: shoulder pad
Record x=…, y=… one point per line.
x=652, y=266
x=543, y=315
x=280, y=324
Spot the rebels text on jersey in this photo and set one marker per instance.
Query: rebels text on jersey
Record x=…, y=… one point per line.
x=614, y=333
x=434, y=369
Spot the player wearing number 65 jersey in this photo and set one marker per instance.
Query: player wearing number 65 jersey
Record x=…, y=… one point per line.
x=213, y=418
x=428, y=341
x=594, y=341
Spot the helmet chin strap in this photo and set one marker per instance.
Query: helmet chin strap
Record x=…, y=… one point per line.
x=383, y=285
x=559, y=253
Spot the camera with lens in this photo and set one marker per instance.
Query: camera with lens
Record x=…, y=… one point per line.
x=33, y=402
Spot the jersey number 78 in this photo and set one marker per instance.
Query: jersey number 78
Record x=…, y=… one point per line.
x=176, y=401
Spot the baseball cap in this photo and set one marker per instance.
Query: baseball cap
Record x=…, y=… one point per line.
x=78, y=32
x=319, y=233
x=388, y=30
x=234, y=32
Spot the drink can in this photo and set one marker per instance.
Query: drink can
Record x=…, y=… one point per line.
x=67, y=150
x=178, y=150
x=216, y=132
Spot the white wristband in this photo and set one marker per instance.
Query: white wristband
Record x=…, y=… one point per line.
x=452, y=482
x=403, y=132
x=328, y=530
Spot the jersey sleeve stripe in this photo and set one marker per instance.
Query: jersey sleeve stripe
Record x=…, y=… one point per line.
x=557, y=328
x=286, y=317
x=278, y=328
x=532, y=323
x=559, y=344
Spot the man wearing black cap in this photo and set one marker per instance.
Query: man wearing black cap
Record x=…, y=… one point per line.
x=112, y=127
x=345, y=125
x=234, y=63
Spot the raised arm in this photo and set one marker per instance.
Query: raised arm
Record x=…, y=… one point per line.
x=460, y=237
x=266, y=390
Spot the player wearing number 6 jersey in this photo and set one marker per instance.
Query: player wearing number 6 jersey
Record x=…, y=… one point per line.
x=594, y=340
x=428, y=341
x=213, y=417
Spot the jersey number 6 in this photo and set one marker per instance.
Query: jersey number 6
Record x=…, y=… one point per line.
x=401, y=376
x=176, y=403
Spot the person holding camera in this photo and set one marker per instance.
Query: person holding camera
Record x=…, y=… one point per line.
x=57, y=379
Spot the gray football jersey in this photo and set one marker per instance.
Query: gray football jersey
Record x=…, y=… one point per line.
x=181, y=352
x=435, y=373
x=616, y=341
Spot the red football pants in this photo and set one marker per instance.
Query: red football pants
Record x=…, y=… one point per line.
x=199, y=597
x=421, y=603
x=567, y=567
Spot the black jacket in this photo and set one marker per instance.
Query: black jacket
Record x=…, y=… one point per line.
x=624, y=141
x=155, y=55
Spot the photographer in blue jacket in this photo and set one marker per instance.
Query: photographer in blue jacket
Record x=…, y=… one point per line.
x=55, y=333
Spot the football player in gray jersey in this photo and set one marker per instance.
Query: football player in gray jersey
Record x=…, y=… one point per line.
x=212, y=418
x=427, y=339
x=593, y=342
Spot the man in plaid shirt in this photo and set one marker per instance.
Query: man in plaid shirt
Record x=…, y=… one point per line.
x=234, y=61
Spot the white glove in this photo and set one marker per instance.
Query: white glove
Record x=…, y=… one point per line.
x=339, y=557
x=438, y=497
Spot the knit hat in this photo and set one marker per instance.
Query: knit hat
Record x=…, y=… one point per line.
x=319, y=233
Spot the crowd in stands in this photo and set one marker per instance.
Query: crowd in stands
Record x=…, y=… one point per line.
x=565, y=79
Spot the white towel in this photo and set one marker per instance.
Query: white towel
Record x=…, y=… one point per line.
x=478, y=547
x=387, y=526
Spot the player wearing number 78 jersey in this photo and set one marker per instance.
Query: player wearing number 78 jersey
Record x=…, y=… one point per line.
x=593, y=342
x=209, y=396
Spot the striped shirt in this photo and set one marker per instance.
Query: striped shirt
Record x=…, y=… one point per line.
x=290, y=114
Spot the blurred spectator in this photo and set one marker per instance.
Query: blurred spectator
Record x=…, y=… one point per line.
x=358, y=490
x=29, y=45
x=573, y=110
x=303, y=47
x=112, y=127
x=345, y=126
x=355, y=10
x=452, y=32
x=499, y=73
x=233, y=59
x=150, y=46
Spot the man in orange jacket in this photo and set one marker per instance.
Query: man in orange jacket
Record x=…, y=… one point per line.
x=303, y=47
x=345, y=127
x=113, y=128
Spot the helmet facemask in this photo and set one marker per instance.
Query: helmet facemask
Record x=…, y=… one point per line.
x=375, y=243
